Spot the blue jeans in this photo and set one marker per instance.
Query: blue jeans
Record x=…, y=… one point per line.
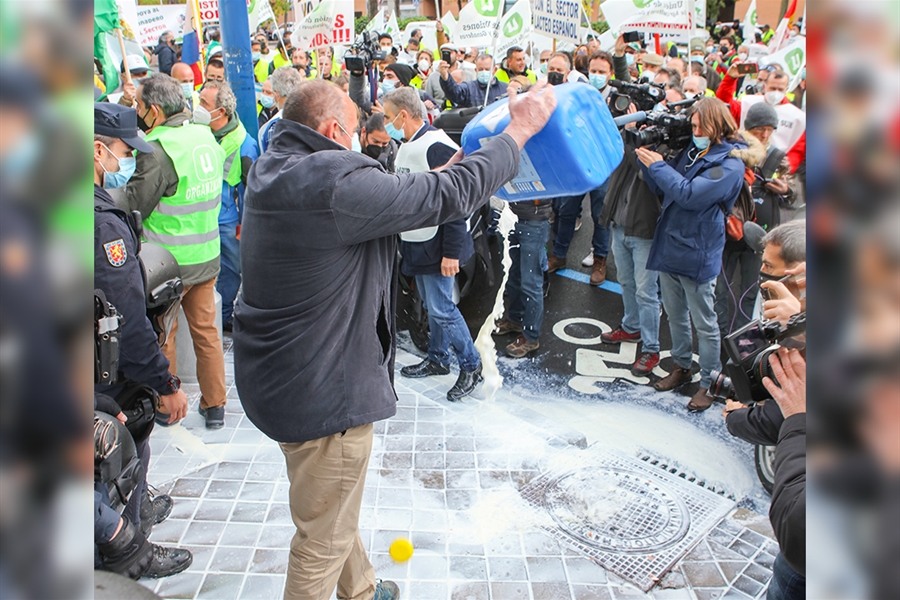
x=786, y=584
x=686, y=300
x=229, y=280
x=526, y=277
x=640, y=287
x=568, y=210
x=448, y=328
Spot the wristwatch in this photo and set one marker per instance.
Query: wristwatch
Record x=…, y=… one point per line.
x=173, y=385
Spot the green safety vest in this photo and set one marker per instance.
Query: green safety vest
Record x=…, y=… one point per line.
x=231, y=145
x=503, y=75
x=187, y=223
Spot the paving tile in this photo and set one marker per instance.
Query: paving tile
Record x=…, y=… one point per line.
x=765, y=560
x=429, y=460
x=702, y=574
x=699, y=552
x=459, y=460
x=468, y=567
x=279, y=514
x=393, y=518
x=386, y=568
x=428, y=590
x=731, y=569
x=545, y=569
x=189, y=488
x=428, y=567
x=273, y=561
x=461, y=479
x=227, y=490
x=507, y=569
x=540, y=544
x=169, y=531
x=400, y=443
x=256, y=491
x=550, y=591
x=493, y=479
x=213, y=510
x=509, y=544
x=470, y=590
x=460, y=549
x=232, y=560
x=221, y=586
x=458, y=443
x=734, y=594
x=429, y=520
x=720, y=552
x=240, y=534
x=430, y=479
x=753, y=538
x=401, y=427
x=708, y=593
x=394, y=498
x=461, y=499
x=429, y=443
x=435, y=541
x=428, y=499
x=748, y=586
x=182, y=585
x=397, y=460
x=395, y=478
x=510, y=591
x=249, y=512
x=426, y=428
x=743, y=548
x=240, y=452
x=583, y=570
x=276, y=536
x=205, y=533
x=183, y=508
x=590, y=592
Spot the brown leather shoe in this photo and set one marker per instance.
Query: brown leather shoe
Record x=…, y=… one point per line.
x=504, y=326
x=598, y=270
x=677, y=377
x=555, y=263
x=521, y=347
x=700, y=401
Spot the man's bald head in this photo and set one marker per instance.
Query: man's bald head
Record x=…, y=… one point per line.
x=325, y=108
x=182, y=73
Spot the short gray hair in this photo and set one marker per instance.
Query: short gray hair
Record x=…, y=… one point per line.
x=164, y=92
x=791, y=238
x=224, y=97
x=702, y=81
x=483, y=56
x=406, y=98
x=285, y=79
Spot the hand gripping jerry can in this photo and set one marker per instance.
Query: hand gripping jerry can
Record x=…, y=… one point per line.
x=574, y=153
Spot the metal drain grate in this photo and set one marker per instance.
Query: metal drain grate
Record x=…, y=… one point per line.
x=633, y=518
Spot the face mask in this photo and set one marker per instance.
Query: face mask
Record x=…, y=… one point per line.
x=255, y=56
x=117, y=179
x=597, y=80
x=396, y=134
x=742, y=56
x=803, y=73
x=355, y=144
x=484, y=77
x=544, y=68
x=792, y=34
x=138, y=81
x=774, y=98
x=660, y=107
x=267, y=101
x=723, y=49
x=188, y=89
x=702, y=143
x=388, y=86
x=142, y=122
x=629, y=59
x=373, y=151
x=555, y=78
x=424, y=65
x=201, y=116
x=690, y=95
x=19, y=161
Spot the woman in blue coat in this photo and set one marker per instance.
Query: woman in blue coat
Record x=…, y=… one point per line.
x=698, y=188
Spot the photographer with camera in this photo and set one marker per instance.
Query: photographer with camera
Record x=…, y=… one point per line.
x=697, y=187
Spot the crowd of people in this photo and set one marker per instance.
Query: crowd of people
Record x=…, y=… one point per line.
x=300, y=243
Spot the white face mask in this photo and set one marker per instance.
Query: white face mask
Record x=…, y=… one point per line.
x=424, y=65
x=774, y=98
x=742, y=56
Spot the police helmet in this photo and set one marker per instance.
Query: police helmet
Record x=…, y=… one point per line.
x=164, y=288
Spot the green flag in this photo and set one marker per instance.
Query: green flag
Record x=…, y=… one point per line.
x=106, y=18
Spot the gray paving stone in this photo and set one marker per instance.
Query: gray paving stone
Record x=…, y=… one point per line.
x=507, y=569
x=428, y=567
x=233, y=560
x=583, y=570
x=702, y=574
x=169, y=531
x=276, y=536
x=510, y=591
x=272, y=561
x=203, y=533
x=731, y=569
x=430, y=479
x=427, y=590
x=508, y=544
x=461, y=499
x=545, y=569
x=240, y=534
x=470, y=590
x=536, y=543
x=262, y=587
x=221, y=586
x=748, y=586
x=182, y=585
x=590, y=592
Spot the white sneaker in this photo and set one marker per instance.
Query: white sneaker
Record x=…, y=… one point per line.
x=588, y=260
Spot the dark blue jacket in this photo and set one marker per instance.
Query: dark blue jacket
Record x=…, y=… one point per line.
x=470, y=93
x=690, y=232
x=140, y=356
x=452, y=240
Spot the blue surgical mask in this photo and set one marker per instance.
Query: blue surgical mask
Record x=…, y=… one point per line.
x=396, y=134
x=188, y=89
x=18, y=162
x=597, y=80
x=544, y=68
x=484, y=77
x=355, y=146
x=629, y=59
x=117, y=179
x=255, y=56
x=267, y=101
x=702, y=143
x=388, y=86
x=659, y=107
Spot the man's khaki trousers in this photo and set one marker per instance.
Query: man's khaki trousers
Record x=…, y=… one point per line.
x=199, y=305
x=327, y=479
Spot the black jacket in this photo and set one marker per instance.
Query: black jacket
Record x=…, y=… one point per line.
x=764, y=424
x=537, y=210
x=314, y=333
x=166, y=57
x=140, y=356
x=452, y=240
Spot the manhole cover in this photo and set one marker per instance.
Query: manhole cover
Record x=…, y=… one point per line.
x=634, y=517
x=616, y=510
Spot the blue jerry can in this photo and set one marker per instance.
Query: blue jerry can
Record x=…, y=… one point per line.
x=573, y=154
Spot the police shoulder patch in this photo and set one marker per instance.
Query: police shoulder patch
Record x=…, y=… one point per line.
x=115, y=252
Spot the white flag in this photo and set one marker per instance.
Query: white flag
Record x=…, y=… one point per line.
x=477, y=23
x=329, y=23
x=515, y=28
x=449, y=23
x=654, y=16
x=259, y=11
x=377, y=22
x=749, y=24
x=393, y=28
x=791, y=58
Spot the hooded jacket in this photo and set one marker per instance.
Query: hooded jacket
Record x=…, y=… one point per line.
x=314, y=330
x=166, y=56
x=697, y=192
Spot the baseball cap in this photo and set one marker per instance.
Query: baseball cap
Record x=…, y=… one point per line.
x=698, y=45
x=136, y=64
x=117, y=121
x=654, y=60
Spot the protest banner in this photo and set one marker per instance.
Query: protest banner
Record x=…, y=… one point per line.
x=152, y=20
x=515, y=28
x=450, y=25
x=558, y=19
x=791, y=58
x=748, y=26
x=328, y=23
x=259, y=11
x=477, y=23
x=650, y=16
x=376, y=23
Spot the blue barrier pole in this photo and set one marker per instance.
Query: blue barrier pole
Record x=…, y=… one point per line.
x=234, y=24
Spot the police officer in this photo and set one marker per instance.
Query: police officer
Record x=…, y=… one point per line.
x=118, y=273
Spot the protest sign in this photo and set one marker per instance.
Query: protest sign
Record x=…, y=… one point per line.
x=328, y=23
x=477, y=23
x=649, y=16
x=791, y=58
x=515, y=28
x=152, y=20
x=558, y=19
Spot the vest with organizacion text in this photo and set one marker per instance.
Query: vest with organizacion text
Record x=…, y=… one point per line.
x=187, y=223
x=412, y=157
x=791, y=121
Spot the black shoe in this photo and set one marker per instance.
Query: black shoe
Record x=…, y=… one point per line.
x=168, y=561
x=465, y=384
x=215, y=416
x=228, y=327
x=154, y=510
x=162, y=420
x=426, y=368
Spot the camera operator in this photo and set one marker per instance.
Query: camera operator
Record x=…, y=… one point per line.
x=782, y=423
x=697, y=186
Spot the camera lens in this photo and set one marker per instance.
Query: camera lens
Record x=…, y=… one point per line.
x=720, y=386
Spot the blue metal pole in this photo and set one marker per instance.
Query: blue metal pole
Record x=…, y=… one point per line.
x=234, y=24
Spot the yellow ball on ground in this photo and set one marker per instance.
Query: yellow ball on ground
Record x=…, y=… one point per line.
x=401, y=550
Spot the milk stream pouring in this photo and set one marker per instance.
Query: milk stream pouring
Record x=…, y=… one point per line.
x=574, y=153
